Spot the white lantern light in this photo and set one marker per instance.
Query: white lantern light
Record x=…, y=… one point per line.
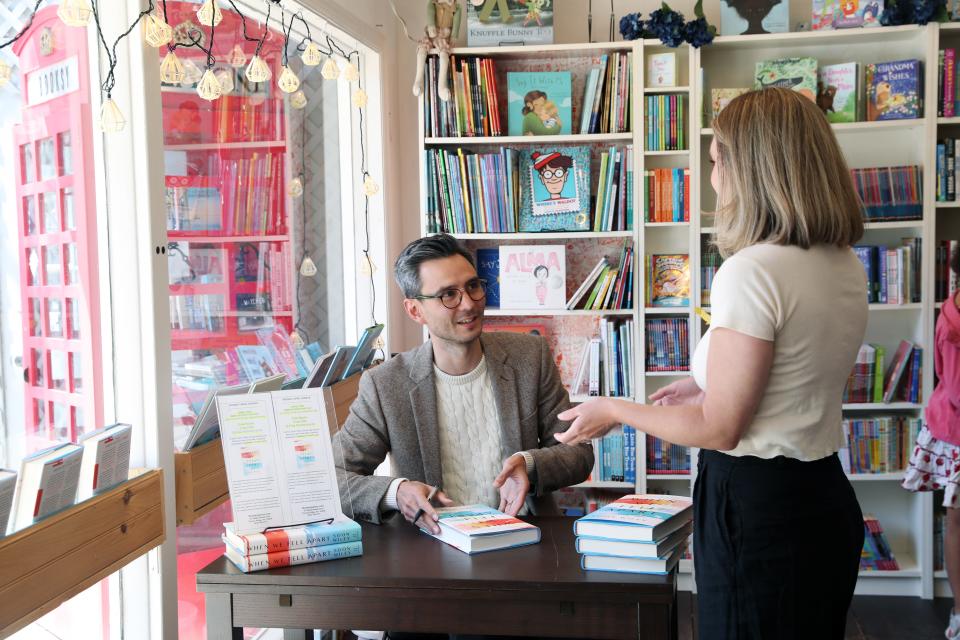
x=351, y=73
x=258, y=70
x=209, y=14
x=307, y=268
x=288, y=80
x=298, y=100
x=75, y=13
x=171, y=69
x=311, y=55
x=330, y=70
x=367, y=267
x=111, y=118
x=209, y=87
x=237, y=57
x=225, y=78
x=370, y=186
x=359, y=98
x=5, y=72
x=295, y=188
x=156, y=32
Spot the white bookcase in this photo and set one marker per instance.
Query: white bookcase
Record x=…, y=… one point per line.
x=729, y=61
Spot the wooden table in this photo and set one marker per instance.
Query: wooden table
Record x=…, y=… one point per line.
x=407, y=581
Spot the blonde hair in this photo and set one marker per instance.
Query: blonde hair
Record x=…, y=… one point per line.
x=785, y=180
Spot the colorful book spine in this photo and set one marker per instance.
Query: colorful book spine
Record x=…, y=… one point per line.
x=292, y=557
x=312, y=535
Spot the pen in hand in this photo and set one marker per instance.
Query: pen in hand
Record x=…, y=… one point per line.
x=419, y=514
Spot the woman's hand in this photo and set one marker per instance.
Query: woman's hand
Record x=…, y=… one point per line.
x=683, y=391
x=591, y=419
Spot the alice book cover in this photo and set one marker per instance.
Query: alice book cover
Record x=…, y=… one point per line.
x=502, y=22
x=720, y=98
x=799, y=74
x=539, y=103
x=488, y=268
x=555, y=189
x=669, y=280
x=838, y=91
x=893, y=89
x=533, y=277
x=747, y=17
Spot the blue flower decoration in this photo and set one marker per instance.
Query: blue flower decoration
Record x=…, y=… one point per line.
x=667, y=24
x=631, y=26
x=698, y=33
x=898, y=12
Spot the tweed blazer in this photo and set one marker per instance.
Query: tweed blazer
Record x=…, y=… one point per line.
x=396, y=412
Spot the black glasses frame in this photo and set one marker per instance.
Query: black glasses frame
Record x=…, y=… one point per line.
x=460, y=291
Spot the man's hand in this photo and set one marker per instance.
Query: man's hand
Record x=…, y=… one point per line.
x=412, y=496
x=513, y=484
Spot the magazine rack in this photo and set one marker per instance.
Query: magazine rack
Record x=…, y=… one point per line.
x=49, y=562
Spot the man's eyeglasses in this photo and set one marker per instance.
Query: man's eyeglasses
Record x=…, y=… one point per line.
x=452, y=297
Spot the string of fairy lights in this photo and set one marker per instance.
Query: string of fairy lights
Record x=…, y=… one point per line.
x=213, y=82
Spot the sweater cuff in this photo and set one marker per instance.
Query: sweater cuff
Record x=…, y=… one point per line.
x=528, y=458
x=389, y=500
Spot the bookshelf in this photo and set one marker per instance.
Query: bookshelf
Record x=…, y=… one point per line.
x=729, y=62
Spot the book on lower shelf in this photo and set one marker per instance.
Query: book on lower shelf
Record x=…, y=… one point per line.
x=609, y=285
x=533, y=277
x=901, y=382
x=668, y=280
x=668, y=344
x=477, y=528
x=665, y=458
x=106, y=459
x=893, y=272
x=615, y=456
x=894, y=89
x=606, y=362
x=878, y=444
x=47, y=483
x=890, y=193
x=877, y=554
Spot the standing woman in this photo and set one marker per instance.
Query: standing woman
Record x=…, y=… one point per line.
x=778, y=530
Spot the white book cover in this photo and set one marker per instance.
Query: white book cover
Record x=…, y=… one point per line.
x=533, y=277
x=476, y=528
x=278, y=457
x=106, y=459
x=47, y=484
x=8, y=485
x=662, y=70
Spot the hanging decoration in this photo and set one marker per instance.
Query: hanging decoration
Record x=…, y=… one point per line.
x=311, y=56
x=307, y=268
x=75, y=13
x=171, y=69
x=288, y=80
x=295, y=187
x=191, y=73
x=330, y=70
x=111, y=118
x=5, y=72
x=298, y=100
x=209, y=87
x=258, y=70
x=156, y=32
x=237, y=58
x=351, y=73
x=209, y=14
x=359, y=98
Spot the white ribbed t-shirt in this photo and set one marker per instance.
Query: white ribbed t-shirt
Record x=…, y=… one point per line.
x=812, y=304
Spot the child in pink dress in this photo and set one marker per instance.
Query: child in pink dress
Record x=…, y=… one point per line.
x=935, y=461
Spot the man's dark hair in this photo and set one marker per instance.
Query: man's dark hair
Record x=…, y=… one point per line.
x=406, y=270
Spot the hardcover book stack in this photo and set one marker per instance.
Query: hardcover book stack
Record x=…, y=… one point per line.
x=880, y=444
x=477, y=528
x=639, y=533
x=290, y=546
x=877, y=554
x=666, y=458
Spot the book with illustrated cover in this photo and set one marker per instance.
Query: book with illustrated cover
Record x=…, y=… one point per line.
x=894, y=89
x=747, y=17
x=277, y=341
x=637, y=517
x=533, y=277
x=477, y=528
x=488, y=268
x=669, y=280
x=851, y=14
x=342, y=530
x=257, y=361
x=799, y=74
x=192, y=208
x=821, y=17
x=838, y=91
x=539, y=103
x=292, y=557
x=720, y=98
x=504, y=22
x=555, y=189
x=661, y=70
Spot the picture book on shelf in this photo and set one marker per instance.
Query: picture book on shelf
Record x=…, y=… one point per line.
x=533, y=277
x=539, y=103
x=488, y=268
x=720, y=98
x=851, y=14
x=555, y=189
x=503, y=22
x=191, y=208
x=278, y=457
x=838, y=91
x=669, y=280
x=748, y=17
x=661, y=70
x=256, y=360
x=894, y=89
x=799, y=74
x=477, y=528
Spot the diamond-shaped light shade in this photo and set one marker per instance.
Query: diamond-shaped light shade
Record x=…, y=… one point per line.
x=351, y=73
x=156, y=32
x=295, y=188
x=209, y=87
x=370, y=186
x=311, y=56
x=6, y=71
x=75, y=13
x=359, y=98
x=225, y=77
x=209, y=14
x=111, y=118
x=330, y=70
x=258, y=70
x=237, y=57
x=288, y=80
x=171, y=69
x=296, y=339
x=298, y=100
x=307, y=268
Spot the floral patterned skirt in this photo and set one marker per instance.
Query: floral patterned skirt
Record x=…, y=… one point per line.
x=934, y=464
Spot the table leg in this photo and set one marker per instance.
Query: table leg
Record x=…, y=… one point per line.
x=220, y=618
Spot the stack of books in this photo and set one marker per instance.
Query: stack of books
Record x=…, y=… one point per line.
x=290, y=546
x=876, y=554
x=639, y=533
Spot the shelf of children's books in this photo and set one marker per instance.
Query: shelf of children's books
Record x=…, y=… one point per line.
x=880, y=406
x=895, y=476
x=910, y=306
x=947, y=204
x=672, y=152
x=869, y=125
x=576, y=138
x=667, y=90
x=180, y=236
x=667, y=374
x=952, y=120
x=549, y=51
x=666, y=224
x=605, y=484
x=656, y=311
x=546, y=235
x=224, y=146
x=894, y=224
x=667, y=476
x=557, y=312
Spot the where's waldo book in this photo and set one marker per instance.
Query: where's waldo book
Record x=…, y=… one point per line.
x=555, y=189
x=477, y=528
x=637, y=517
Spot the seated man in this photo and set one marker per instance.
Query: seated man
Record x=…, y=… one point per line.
x=474, y=413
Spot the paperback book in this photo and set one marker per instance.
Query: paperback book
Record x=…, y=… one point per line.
x=668, y=281
x=555, y=189
x=488, y=268
x=477, y=528
x=48, y=483
x=539, y=103
x=661, y=70
x=533, y=277
x=106, y=459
